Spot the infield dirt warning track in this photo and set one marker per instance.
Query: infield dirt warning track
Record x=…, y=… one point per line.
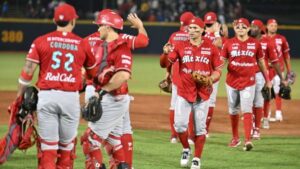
x=151, y=112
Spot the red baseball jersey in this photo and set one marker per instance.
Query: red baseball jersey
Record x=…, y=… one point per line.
x=132, y=42
x=203, y=59
x=242, y=59
x=175, y=38
x=60, y=55
x=269, y=50
x=119, y=57
x=282, y=48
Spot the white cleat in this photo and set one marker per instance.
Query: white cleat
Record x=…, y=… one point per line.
x=278, y=115
x=185, y=157
x=256, y=134
x=191, y=142
x=196, y=163
x=266, y=124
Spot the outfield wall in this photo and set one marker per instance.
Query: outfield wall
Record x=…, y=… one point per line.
x=17, y=34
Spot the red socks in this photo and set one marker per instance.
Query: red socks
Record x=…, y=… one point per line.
x=266, y=108
x=184, y=139
x=127, y=143
x=173, y=132
x=258, y=112
x=235, y=125
x=247, y=126
x=199, y=145
x=278, y=102
x=191, y=126
x=209, y=117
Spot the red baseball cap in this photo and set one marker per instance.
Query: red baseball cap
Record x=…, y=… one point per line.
x=185, y=18
x=197, y=21
x=243, y=21
x=65, y=12
x=259, y=24
x=271, y=21
x=210, y=18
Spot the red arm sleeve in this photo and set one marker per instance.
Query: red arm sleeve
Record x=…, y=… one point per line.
x=285, y=48
x=259, y=52
x=90, y=61
x=140, y=41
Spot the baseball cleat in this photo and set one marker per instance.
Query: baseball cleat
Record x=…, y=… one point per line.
x=173, y=140
x=248, y=146
x=278, y=115
x=256, y=134
x=272, y=119
x=196, y=163
x=234, y=142
x=185, y=157
x=266, y=124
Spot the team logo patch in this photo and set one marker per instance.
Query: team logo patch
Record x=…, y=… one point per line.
x=61, y=17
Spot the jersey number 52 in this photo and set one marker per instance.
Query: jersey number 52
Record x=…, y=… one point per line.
x=56, y=57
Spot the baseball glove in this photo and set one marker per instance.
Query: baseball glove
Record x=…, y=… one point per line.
x=268, y=94
x=202, y=79
x=165, y=85
x=291, y=77
x=285, y=92
x=92, y=111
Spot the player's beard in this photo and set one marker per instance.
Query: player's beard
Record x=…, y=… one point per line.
x=254, y=33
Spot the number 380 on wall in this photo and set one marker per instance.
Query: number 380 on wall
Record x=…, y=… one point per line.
x=11, y=36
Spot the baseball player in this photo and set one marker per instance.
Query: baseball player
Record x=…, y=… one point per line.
x=133, y=42
x=212, y=32
x=270, y=55
x=243, y=53
x=283, y=49
x=60, y=56
x=114, y=70
x=196, y=56
x=175, y=38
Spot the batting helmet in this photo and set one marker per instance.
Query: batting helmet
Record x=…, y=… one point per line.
x=110, y=18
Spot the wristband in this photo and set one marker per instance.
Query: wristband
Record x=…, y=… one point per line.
x=102, y=92
x=217, y=34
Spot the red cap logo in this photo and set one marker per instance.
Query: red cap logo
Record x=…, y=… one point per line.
x=243, y=21
x=197, y=21
x=65, y=12
x=210, y=18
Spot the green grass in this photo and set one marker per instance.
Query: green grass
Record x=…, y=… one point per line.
x=153, y=151
x=146, y=74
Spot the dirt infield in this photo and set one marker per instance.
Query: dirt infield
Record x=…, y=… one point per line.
x=151, y=112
